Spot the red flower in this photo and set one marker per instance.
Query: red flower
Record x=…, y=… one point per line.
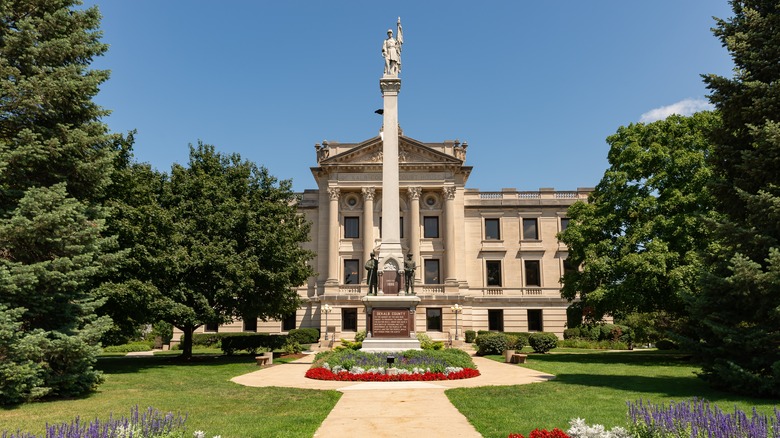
x=345, y=376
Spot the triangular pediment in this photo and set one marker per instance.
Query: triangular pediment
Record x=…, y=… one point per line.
x=410, y=152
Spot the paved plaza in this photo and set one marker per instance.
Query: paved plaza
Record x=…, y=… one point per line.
x=384, y=409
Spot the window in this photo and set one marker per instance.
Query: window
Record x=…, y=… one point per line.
x=211, y=327
x=530, y=229
x=492, y=229
x=496, y=320
x=351, y=227
x=288, y=323
x=431, y=227
x=532, y=274
x=564, y=223
x=349, y=319
x=535, y=320
x=433, y=320
x=493, y=268
x=401, y=221
x=250, y=324
x=351, y=271
x=432, y=271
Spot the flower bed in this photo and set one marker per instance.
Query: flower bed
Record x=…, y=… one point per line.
x=410, y=365
x=389, y=375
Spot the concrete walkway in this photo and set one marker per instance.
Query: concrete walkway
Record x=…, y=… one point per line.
x=389, y=409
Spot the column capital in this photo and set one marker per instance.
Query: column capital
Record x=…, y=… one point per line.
x=414, y=193
x=449, y=193
x=390, y=85
x=368, y=193
x=334, y=193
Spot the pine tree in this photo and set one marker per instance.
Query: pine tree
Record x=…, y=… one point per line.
x=55, y=164
x=737, y=315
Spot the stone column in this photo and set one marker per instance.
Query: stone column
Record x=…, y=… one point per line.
x=334, y=235
x=391, y=221
x=414, y=227
x=449, y=235
x=368, y=224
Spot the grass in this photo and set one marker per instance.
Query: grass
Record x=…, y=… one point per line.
x=200, y=388
x=594, y=385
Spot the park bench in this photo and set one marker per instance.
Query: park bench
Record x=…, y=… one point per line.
x=264, y=359
x=518, y=358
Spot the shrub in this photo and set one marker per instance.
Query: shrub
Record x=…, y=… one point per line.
x=666, y=344
x=543, y=342
x=128, y=348
x=572, y=333
x=426, y=343
x=291, y=347
x=349, y=345
x=304, y=335
x=491, y=343
x=471, y=335
x=360, y=336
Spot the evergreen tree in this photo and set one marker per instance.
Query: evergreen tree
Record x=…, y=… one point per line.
x=55, y=164
x=738, y=313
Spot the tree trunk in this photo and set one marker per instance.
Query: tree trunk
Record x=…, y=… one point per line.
x=186, y=342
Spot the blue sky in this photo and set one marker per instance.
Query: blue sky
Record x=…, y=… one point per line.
x=533, y=87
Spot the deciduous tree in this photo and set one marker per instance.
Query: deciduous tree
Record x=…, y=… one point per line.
x=637, y=239
x=216, y=240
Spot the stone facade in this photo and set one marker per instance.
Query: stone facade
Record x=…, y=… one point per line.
x=494, y=253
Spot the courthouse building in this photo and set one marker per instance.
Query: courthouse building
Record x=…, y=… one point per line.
x=493, y=253
x=485, y=260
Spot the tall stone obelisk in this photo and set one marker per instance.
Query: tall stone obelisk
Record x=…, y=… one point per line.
x=390, y=253
x=390, y=317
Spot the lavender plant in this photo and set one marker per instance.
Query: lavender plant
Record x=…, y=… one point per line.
x=697, y=418
x=148, y=424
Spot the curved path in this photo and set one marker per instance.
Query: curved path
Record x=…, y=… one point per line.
x=390, y=409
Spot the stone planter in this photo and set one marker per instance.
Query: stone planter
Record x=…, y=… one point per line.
x=508, y=355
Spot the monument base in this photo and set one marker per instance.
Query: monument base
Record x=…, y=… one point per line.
x=390, y=345
x=390, y=323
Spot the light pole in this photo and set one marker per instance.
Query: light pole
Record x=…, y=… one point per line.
x=326, y=308
x=456, y=309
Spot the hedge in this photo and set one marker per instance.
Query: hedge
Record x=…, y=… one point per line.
x=251, y=342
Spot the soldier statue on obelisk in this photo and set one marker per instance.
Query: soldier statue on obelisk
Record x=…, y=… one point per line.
x=390, y=314
x=391, y=256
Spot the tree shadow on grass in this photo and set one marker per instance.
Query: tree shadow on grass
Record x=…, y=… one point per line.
x=133, y=364
x=673, y=387
x=650, y=359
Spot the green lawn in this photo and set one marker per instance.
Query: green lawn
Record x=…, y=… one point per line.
x=593, y=385
x=200, y=389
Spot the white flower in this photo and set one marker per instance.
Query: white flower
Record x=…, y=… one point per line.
x=580, y=429
x=199, y=434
